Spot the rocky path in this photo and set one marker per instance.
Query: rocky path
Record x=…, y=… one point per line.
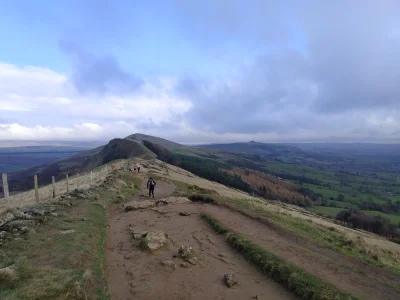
x=137, y=274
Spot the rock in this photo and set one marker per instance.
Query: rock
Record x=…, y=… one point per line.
x=256, y=297
x=154, y=240
x=14, y=231
x=188, y=254
x=54, y=214
x=23, y=216
x=192, y=261
x=51, y=209
x=67, y=231
x=137, y=234
x=34, y=211
x=229, y=281
x=174, y=200
x=3, y=234
x=185, y=265
x=8, y=274
x=18, y=224
x=169, y=263
x=8, y=217
x=25, y=229
x=134, y=205
x=184, y=213
x=85, y=219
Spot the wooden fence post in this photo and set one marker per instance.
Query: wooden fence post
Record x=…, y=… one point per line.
x=91, y=176
x=35, y=181
x=5, y=186
x=77, y=181
x=53, y=183
x=66, y=177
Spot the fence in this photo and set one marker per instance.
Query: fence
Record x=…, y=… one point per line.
x=41, y=194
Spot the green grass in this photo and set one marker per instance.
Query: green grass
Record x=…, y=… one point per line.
x=218, y=227
x=188, y=190
x=393, y=218
x=319, y=234
x=329, y=211
x=299, y=281
x=65, y=266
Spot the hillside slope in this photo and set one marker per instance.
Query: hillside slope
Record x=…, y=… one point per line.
x=81, y=162
x=163, y=142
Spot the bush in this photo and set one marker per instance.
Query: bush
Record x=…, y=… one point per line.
x=201, y=198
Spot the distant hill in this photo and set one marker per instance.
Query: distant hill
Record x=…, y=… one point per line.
x=78, y=163
x=27, y=143
x=156, y=140
x=17, y=158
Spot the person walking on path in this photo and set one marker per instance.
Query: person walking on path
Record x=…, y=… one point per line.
x=151, y=185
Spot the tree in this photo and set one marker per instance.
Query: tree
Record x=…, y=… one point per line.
x=340, y=197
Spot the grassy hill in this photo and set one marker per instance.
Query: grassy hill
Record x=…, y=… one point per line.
x=78, y=163
x=327, y=177
x=308, y=176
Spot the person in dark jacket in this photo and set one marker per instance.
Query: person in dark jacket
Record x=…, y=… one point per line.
x=151, y=185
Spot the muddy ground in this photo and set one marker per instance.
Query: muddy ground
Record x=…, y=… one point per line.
x=346, y=273
x=136, y=274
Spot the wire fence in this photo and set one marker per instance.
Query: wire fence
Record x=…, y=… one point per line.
x=41, y=194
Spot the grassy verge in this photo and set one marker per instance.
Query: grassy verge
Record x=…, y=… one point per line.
x=52, y=264
x=325, y=236
x=190, y=190
x=218, y=227
x=302, y=283
x=59, y=266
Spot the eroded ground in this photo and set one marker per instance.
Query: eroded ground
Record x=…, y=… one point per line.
x=136, y=274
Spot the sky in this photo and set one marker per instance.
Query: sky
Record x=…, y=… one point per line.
x=200, y=71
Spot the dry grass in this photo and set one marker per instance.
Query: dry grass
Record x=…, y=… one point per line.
x=64, y=266
x=371, y=247
x=46, y=192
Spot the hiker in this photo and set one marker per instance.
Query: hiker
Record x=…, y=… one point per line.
x=150, y=185
x=138, y=168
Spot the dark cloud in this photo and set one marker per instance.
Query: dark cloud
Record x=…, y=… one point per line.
x=98, y=74
x=259, y=99
x=342, y=80
x=354, y=54
x=328, y=69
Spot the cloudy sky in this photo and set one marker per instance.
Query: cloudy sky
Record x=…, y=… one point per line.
x=200, y=71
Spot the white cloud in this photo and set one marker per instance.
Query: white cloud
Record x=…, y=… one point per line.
x=40, y=104
x=38, y=100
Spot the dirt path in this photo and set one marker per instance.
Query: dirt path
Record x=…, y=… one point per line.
x=134, y=274
x=337, y=268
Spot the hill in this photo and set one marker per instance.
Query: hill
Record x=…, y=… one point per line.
x=323, y=178
x=78, y=163
x=201, y=234
x=16, y=158
x=156, y=140
x=305, y=175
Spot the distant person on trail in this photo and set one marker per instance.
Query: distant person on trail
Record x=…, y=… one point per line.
x=150, y=185
x=138, y=168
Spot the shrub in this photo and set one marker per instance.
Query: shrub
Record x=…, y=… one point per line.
x=201, y=198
